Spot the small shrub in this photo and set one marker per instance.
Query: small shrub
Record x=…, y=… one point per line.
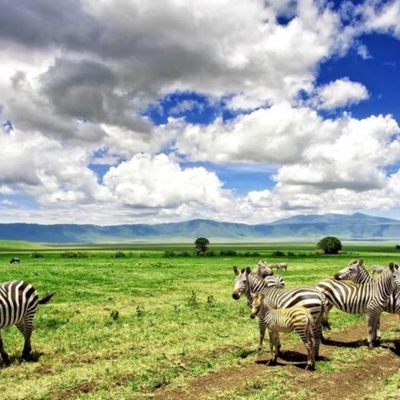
x=114, y=315
x=139, y=311
x=36, y=254
x=228, y=253
x=74, y=254
x=211, y=253
x=169, y=253
x=291, y=254
x=143, y=255
x=184, y=254
x=252, y=254
x=192, y=301
x=278, y=253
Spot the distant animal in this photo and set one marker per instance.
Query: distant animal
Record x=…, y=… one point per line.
x=377, y=269
x=18, y=304
x=296, y=319
x=279, y=266
x=283, y=266
x=15, y=260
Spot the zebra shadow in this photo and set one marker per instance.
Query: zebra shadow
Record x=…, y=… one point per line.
x=290, y=357
x=392, y=345
x=352, y=344
x=34, y=357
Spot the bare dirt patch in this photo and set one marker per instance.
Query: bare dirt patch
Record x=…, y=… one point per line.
x=349, y=384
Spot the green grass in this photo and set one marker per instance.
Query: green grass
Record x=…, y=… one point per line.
x=124, y=327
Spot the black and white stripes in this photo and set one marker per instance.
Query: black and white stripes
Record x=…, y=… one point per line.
x=370, y=297
x=18, y=304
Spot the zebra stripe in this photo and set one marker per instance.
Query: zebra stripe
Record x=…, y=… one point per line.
x=368, y=298
x=274, y=281
x=297, y=319
x=18, y=304
x=248, y=282
x=358, y=274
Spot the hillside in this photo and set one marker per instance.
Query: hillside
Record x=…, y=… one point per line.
x=351, y=227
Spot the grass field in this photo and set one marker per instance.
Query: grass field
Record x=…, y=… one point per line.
x=127, y=327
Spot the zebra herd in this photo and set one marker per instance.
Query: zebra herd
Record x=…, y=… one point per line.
x=282, y=310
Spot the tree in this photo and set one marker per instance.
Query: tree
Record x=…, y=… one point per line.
x=330, y=245
x=201, y=246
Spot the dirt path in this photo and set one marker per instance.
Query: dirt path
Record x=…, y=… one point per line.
x=353, y=383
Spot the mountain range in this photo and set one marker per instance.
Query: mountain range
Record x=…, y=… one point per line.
x=356, y=226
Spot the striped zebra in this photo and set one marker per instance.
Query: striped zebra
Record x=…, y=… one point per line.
x=358, y=274
x=354, y=272
x=18, y=303
x=297, y=319
x=274, y=281
x=263, y=269
x=248, y=282
x=370, y=298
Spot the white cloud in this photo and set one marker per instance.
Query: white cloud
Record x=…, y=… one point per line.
x=156, y=181
x=340, y=93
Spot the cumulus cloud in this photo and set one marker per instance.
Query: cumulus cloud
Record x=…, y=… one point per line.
x=157, y=181
x=77, y=78
x=340, y=93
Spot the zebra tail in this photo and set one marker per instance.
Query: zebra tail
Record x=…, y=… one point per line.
x=324, y=314
x=46, y=298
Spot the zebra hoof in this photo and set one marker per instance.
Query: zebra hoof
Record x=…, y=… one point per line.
x=370, y=346
x=271, y=362
x=310, y=367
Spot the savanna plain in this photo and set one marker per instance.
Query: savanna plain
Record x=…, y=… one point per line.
x=127, y=322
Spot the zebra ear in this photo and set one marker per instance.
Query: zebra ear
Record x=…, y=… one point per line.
x=248, y=270
x=235, y=270
x=361, y=261
x=391, y=266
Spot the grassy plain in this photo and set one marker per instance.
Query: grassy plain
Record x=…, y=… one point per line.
x=124, y=327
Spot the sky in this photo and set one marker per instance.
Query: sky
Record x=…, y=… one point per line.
x=248, y=111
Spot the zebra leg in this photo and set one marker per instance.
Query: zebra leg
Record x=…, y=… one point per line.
x=373, y=320
x=27, y=332
x=317, y=333
x=273, y=337
x=305, y=334
x=262, y=335
x=3, y=353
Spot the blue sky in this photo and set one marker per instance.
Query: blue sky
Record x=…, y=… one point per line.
x=171, y=111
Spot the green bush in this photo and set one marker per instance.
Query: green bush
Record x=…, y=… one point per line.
x=74, y=254
x=278, y=253
x=329, y=245
x=36, y=254
x=228, y=253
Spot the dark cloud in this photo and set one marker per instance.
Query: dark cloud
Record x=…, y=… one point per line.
x=47, y=23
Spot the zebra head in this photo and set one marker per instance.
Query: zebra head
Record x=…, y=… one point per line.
x=241, y=282
x=350, y=272
x=263, y=270
x=394, y=269
x=258, y=299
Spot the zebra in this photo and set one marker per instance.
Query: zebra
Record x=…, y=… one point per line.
x=263, y=269
x=18, y=303
x=368, y=298
x=248, y=282
x=297, y=319
x=15, y=260
x=377, y=269
x=283, y=266
x=357, y=273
